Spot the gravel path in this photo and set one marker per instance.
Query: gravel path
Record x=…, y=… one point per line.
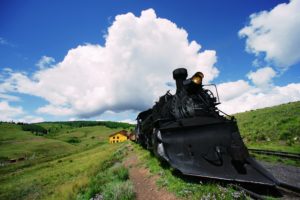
x=284, y=173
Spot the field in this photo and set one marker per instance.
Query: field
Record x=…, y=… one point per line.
x=275, y=128
x=73, y=160
x=59, y=165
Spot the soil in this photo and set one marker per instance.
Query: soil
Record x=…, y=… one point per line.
x=145, y=185
x=146, y=189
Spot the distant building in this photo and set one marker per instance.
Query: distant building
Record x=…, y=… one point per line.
x=131, y=136
x=119, y=136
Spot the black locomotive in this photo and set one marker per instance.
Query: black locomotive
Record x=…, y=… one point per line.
x=189, y=132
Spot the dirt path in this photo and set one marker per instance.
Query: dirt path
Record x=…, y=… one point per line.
x=145, y=187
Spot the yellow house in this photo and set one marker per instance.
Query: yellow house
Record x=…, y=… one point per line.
x=120, y=136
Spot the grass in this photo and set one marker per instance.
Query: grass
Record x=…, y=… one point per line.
x=55, y=167
x=74, y=162
x=16, y=143
x=275, y=127
x=276, y=159
x=181, y=186
x=112, y=180
x=57, y=179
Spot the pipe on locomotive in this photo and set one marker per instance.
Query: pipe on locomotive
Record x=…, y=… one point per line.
x=180, y=76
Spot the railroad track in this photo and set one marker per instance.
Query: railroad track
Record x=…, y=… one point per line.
x=276, y=153
x=286, y=191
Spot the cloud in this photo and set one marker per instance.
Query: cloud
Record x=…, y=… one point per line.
x=45, y=62
x=129, y=72
x=8, y=112
x=30, y=119
x=231, y=90
x=276, y=34
x=255, y=97
x=8, y=97
x=134, y=67
x=16, y=114
x=129, y=121
x=7, y=70
x=262, y=77
x=4, y=42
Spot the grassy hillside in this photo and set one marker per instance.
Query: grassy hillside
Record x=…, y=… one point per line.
x=66, y=159
x=57, y=165
x=17, y=144
x=276, y=127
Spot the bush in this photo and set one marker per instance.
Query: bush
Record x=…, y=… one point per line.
x=119, y=190
x=34, y=128
x=73, y=140
x=120, y=172
x=111, y=182
x=109, y=124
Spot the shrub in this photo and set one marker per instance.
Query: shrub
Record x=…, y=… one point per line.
x=119, y=190
x=111, y=182
x=120, y=172
x=73, y=140
x=34, y=128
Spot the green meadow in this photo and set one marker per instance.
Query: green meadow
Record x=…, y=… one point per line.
x=57, y=165
x=73, y=160
x=274, y=128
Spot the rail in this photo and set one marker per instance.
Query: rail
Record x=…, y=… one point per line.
x=276, y=153
x=287, y=191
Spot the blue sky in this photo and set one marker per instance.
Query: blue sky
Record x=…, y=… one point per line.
x=46, y=31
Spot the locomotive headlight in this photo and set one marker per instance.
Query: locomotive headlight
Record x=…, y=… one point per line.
x=197, y=78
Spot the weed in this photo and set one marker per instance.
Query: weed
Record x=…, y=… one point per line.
x=74, y=140
x=119, y=190
x=111, y=181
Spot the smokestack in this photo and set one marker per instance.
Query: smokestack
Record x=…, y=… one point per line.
x=179, y=75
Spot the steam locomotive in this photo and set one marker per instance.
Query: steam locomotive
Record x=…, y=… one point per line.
x=189, y=132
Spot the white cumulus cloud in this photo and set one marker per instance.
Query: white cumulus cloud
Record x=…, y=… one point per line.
x=276, y=34
x=134, y=67
x=30, y=119
x=45, y=61
x=8, y=112
x=129, y=72
x=8, y=97
x=262, y=77
x=254, y=97
x=16, y=114
x=231, y=90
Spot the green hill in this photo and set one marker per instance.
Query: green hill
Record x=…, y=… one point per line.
x=276, y=127
x=57, y=160
x=53, y=160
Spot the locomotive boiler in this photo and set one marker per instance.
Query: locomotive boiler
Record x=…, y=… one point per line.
x=189, y=132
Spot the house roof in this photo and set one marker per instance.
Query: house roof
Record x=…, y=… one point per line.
x=122, y=132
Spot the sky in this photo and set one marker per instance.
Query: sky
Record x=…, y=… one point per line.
x=109, y=60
